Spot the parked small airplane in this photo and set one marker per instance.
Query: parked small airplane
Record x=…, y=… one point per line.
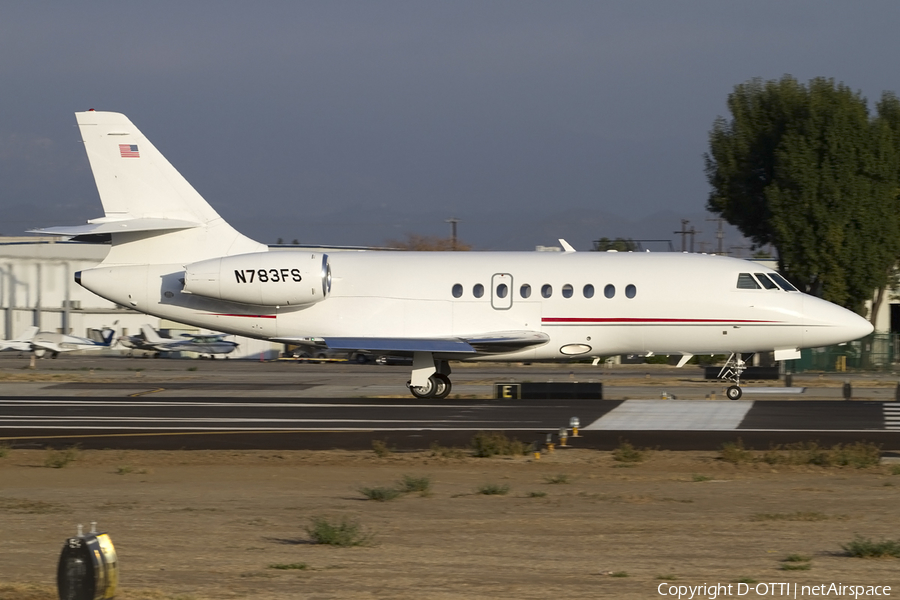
x=47, y=341
x=211, y=344
x=22, y=343
x=174, y=257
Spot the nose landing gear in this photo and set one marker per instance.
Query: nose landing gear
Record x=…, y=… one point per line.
x=734, y=366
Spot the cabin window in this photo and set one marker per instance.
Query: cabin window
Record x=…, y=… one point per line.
x=783, y=282
x=588, y=291
x=567, y=290
x=525, y=290
x=765, y=281
x=502, y=290
x=746, y=282
x=457, y=290
x=478, y=290
x=609, y=291
x=546, y=290
x=630, y=291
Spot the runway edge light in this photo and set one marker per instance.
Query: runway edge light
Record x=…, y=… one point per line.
x=88, y=567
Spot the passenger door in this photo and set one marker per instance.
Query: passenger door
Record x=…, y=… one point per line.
x=502, y=291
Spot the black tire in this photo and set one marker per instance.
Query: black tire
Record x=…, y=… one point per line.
x=734, y=392
x=443, y=387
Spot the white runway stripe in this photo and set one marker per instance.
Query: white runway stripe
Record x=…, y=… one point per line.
x=652, y=415
x=891, y=415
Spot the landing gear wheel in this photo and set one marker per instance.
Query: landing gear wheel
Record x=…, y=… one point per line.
x=443, y=386
x=424, y=391
x=734, y=392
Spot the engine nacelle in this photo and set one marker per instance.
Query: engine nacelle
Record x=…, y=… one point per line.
x=262, y=278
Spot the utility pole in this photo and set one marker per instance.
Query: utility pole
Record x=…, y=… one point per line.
x=720, y=234
x=453, y=221
x=684, y=231
x=693, y=232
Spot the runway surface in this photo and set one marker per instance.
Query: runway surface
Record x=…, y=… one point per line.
x=296, y=423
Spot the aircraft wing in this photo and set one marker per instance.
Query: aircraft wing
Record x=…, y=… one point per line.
x=493, y=343
x=52, y=347
x=22, y=342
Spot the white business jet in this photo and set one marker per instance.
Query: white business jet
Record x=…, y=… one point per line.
x=174, y=257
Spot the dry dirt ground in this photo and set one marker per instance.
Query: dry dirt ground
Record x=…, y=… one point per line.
x=210, y=525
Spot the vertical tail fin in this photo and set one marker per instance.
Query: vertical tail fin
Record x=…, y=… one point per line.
x=27, y=335
x=152, y=212
x=152, y=336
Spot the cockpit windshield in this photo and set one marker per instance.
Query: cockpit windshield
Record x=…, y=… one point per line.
x=746, y=282
x=767, y=283
x=783, y=282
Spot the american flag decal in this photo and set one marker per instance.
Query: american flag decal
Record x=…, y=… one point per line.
x=129, y=151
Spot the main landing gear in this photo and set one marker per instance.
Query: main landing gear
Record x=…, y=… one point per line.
x=734, y=366
x=430, y=377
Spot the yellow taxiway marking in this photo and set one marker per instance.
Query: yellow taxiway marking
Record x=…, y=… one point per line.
x=147, y=392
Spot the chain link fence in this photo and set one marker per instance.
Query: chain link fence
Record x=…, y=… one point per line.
x=876, y=352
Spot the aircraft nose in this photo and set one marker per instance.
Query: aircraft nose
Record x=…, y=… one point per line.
x=826, y=324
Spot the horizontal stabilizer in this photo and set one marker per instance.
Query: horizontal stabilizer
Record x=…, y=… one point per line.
x=119, y=226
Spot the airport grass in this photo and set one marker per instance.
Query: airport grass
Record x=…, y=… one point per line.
x=343, y=533
x=558, y=478
x=795, y=566
x=289, y=566
x=735, y=453
x=487, y=444
x=861, y=547
x=795, y=558
x=380, y=448
x=57, y=459
x=439, y=451
x=895, y=470
x=698, y=477
x=798, y=516
x=4, y=450
x=627, y=453
x=493, y=489
x=860, y=455
x=537, y=494
x=619, y=574
x=410, y=484
x=380, y=494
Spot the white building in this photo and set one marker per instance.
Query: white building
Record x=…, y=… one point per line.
x=37, y=288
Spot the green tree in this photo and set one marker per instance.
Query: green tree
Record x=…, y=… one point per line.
x=806, y=169
x=619, y=244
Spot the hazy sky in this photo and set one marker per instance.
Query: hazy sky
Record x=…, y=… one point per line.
x=358, y=122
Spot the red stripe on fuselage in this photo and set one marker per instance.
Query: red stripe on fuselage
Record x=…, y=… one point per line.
x=251, y=316
x=564, y=320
